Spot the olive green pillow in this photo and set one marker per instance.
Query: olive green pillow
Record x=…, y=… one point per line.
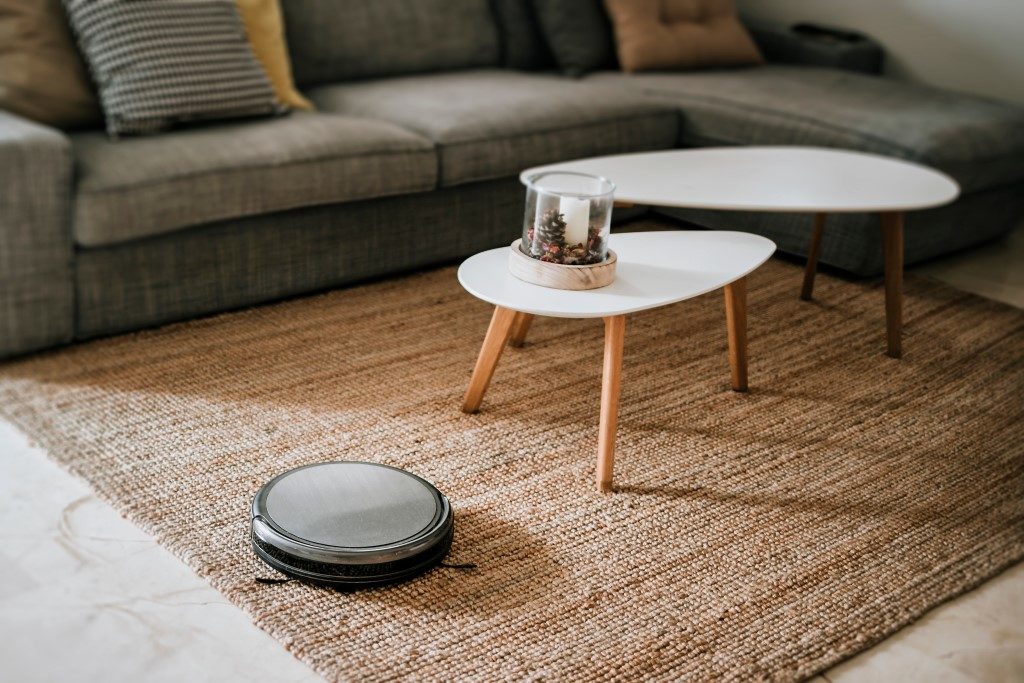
x=42, y=76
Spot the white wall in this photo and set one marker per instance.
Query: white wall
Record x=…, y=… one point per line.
x=970, y=45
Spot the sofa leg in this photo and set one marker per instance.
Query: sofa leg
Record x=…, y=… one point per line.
x=812, y=257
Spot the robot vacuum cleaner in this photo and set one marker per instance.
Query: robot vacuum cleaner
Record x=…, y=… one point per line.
x=351, y=524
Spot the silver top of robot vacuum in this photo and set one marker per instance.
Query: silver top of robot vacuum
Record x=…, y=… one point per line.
x=351, y=508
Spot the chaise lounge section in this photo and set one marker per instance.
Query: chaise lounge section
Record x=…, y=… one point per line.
x=978, y=142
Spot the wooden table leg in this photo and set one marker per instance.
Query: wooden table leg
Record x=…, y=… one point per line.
x=736, y=326
x=519, y=329
x=812, y=256
x=614, y=333
x=892, y=249
x=498, y=333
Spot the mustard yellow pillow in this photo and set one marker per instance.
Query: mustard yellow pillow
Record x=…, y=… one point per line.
x=265, y=28
x=679, y=34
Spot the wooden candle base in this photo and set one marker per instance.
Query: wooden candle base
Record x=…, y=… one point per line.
x=557, y=275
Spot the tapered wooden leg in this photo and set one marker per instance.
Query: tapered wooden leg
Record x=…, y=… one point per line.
x=494, y=343
x=812, y=257
x=520, y=327
x=736, y=326
x=614, y=333
x=892, y=249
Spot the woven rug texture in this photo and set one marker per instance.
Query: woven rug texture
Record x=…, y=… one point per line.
x=766, y=535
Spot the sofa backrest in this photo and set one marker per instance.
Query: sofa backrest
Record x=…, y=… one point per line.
x=338, y=40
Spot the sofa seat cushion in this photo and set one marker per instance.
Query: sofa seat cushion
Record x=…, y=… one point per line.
x=133, y=188
x=493, y=124
x=979, y=142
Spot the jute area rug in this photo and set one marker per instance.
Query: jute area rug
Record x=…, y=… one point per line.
x=766, y=535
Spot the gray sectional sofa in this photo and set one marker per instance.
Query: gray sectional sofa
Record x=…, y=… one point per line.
x=411, y=160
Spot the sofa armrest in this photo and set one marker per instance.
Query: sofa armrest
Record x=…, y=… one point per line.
x=36, y=289
x=817, y=46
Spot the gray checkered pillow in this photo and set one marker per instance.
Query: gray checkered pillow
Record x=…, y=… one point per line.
x=158, y=63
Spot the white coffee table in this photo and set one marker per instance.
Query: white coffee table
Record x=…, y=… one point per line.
x=784, y=179
x=654, y=269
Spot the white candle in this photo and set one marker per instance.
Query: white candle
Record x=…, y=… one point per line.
x=576, y=213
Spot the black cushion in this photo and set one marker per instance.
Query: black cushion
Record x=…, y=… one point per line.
x=158, y=63
x=522, y=43
x=579, y=34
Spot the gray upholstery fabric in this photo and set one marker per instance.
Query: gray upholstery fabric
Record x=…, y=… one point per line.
x=35, y=239
x=853, y=242
x=146, y=186
x=493, y=124
x=522, y=44
x=333, y=41
x=254, y=260
x=979, y=142
x=208, y=219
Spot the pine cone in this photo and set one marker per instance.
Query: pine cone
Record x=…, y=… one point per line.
x=551, y=229
x=576, y=256
x=594, y=241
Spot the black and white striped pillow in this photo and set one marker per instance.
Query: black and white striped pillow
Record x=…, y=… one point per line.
x=158, y=63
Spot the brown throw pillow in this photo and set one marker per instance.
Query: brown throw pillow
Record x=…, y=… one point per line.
x=680, y=34
x=42, y=76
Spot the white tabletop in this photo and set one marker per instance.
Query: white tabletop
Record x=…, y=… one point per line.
x=800, y=179
x=654, y=269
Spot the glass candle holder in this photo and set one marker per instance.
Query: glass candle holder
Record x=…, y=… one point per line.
x=568, y=218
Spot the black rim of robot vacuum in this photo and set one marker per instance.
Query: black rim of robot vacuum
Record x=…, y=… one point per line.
x=321, y=574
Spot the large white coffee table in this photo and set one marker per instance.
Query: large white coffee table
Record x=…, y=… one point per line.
x=784, y=179
x=654, y=269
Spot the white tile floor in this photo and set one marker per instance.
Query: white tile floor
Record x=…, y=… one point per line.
x=85, y=596
x=995, y=271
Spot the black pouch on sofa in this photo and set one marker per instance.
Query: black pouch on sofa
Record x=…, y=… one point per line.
x=822, y=46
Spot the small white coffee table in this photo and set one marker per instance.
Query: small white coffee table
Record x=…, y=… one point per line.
x=654, y=269
x=784, y=179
